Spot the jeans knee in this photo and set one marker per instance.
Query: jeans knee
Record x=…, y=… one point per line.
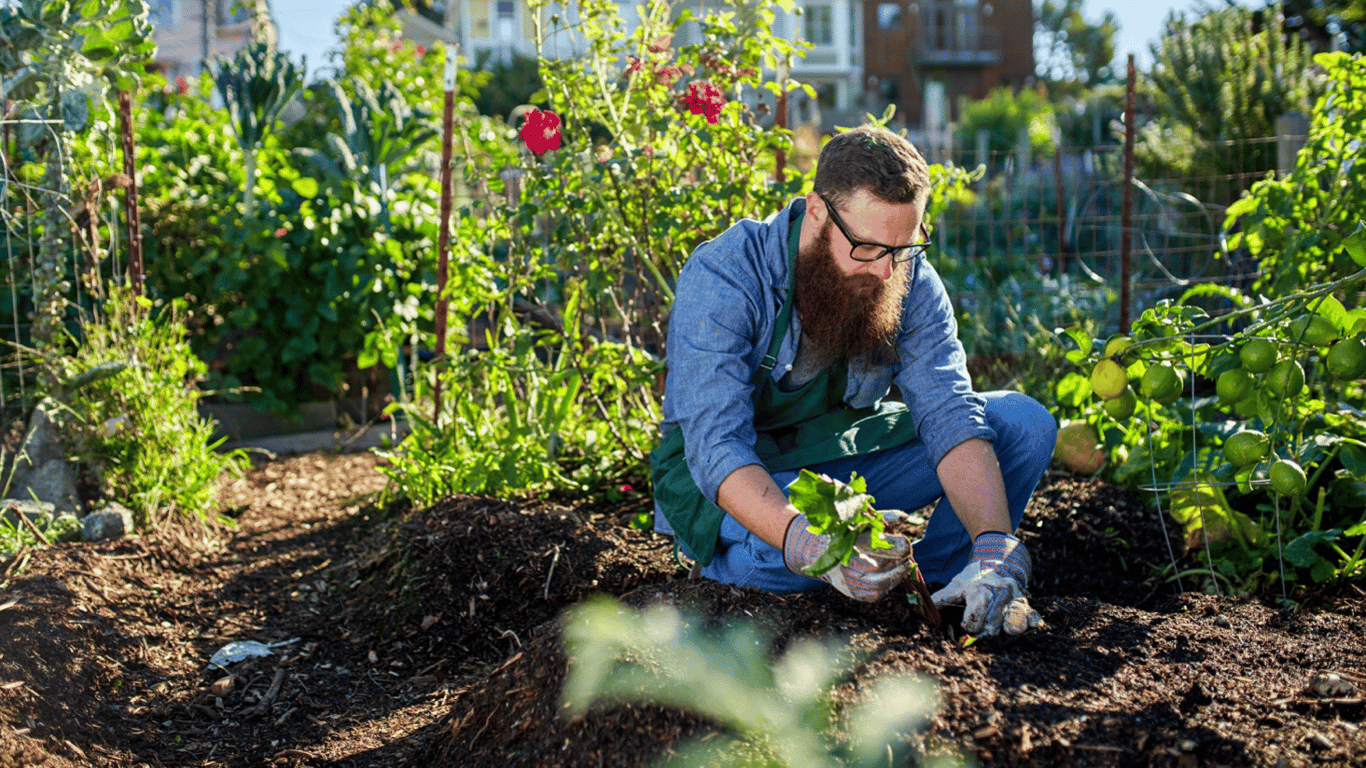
x=1024, y=423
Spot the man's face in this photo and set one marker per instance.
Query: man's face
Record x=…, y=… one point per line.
x=848, y=307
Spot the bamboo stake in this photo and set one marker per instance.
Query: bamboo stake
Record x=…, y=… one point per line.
x=1126, y=214
x=444, y=236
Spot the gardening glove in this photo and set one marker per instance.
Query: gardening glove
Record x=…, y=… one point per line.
x=870, y=574
x=992, y=587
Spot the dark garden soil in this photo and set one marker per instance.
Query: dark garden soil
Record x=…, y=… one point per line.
x=429, y=638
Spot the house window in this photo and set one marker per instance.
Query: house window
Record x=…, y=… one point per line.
x=889, y=15
x=233, y=11
x=163, y=14
x=820, y=24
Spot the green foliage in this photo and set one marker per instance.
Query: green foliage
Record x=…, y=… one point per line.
x=59, y=61
x=1221, y=78
x=1306, y=228
x=1176, y=452
x=1071, y=51
x=507, y=85
x=1003, y=114
x=129, y=406
x=255, y=86
x=775, y=712
x=842, y=511
x=585, y=244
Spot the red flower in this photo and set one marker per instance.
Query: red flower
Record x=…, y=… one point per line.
x=421, y=51
x=396, y=46
x=633, y=67
x=182, y=86
x=704, y=98
x=541, y=131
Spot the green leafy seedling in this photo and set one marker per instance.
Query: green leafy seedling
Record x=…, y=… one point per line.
x=842, y=511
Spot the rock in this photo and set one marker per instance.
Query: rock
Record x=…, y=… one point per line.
x=54, y=482
x=41, y=442
x=112, y=521
x=41, y=469
x=35, y=511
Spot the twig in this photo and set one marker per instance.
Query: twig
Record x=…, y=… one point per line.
x=33, y=528
x=551, y=574
x=927, y=606
x=22, y=554
x=271, y=693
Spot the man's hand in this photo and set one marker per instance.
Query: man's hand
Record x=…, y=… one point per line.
x=870, y=574
x=992, y=587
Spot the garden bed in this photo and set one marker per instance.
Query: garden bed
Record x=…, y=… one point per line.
x=428, y=638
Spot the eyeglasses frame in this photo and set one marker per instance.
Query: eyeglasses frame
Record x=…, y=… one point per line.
x=914, y=250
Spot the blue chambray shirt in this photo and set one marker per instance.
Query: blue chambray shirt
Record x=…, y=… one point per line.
x=723, y=319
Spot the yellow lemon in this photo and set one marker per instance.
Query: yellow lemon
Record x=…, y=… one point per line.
x=1108, y=379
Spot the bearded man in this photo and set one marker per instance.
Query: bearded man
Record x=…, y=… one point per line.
x=823, y=339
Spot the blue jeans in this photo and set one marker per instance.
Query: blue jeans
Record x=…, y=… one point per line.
x=901, y=478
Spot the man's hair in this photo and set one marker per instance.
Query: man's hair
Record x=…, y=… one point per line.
x=875, y=159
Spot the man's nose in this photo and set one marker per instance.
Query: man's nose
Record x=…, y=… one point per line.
x=883, y=267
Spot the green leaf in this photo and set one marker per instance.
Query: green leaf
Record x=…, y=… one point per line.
x=1353, y=457
x=1301, y=552
x=1073, y=390
x=305, y=187
x=1356, y=245
x=1083, y=340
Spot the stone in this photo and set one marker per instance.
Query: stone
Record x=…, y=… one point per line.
x=36, y=511
x=54, y=481
x=112, y=521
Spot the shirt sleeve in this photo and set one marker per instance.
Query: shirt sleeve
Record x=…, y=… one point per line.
x=715, y=327
x=933, y=376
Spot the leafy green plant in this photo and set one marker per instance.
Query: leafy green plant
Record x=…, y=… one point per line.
x=1214, y=461
x=255, y=85
x=774, y=712
x=59, y=62
x=1222, y=77
x=842, y=511
x=129, y=409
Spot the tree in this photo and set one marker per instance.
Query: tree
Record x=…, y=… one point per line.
x=1319, y=21
x=1071, y=51
x=1222, y=79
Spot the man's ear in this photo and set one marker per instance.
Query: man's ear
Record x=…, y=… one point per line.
x=815, y=207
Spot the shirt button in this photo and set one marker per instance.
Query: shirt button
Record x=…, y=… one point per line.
x=789, y=367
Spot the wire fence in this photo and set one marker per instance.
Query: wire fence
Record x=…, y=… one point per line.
x=1042, y=241
x=1039, y=246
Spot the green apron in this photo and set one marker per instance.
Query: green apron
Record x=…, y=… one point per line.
x=796, y=429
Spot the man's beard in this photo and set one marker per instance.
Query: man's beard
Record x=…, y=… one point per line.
x=850, y=316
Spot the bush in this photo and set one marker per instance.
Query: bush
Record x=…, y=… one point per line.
x=128, y=403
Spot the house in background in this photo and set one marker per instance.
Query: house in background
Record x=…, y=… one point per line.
x=927, y=56
x=500, y=29
x=189, y=33
x=924, y=56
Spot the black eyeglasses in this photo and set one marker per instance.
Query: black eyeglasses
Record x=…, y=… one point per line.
x=864, y=250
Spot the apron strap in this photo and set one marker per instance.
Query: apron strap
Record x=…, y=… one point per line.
x=785, y=312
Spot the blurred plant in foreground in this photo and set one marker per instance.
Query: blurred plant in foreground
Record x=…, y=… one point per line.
x=779, y=712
